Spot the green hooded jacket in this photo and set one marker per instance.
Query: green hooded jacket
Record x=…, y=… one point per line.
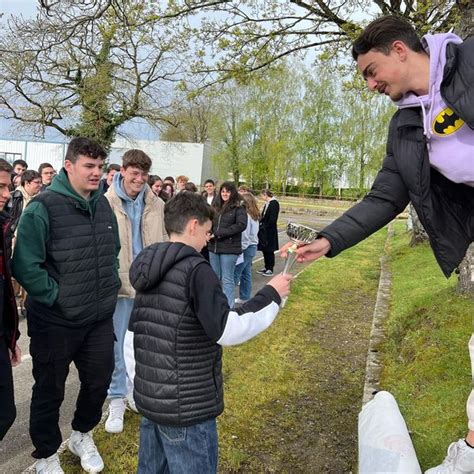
x=33, y=232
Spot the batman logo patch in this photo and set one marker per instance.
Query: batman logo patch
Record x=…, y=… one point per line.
x=447, y=122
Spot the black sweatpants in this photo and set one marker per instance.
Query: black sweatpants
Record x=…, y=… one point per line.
x=269, y=260
x=52, y=350
x=7, y=401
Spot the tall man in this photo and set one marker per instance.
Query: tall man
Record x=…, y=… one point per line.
x=429, y=159
x=10, y=354
x=140, y=218
x=66, y=259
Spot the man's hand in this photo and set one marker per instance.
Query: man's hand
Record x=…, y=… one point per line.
x=309, y=252
x=15, y=356
x=281, y=283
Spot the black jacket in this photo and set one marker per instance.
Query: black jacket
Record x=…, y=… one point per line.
x=227, y=229
x=445, y=209
x=8, y=312
x=268, y=232
x=180, y=320
x=178, y=379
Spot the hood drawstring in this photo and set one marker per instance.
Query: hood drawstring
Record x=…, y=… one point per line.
x=428, y=115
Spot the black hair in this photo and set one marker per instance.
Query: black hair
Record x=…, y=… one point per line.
x=86, y=147
x=382, y=32
x=21, y=163
x=233, y=201
x=209, y=181
x=28, y=176
x=182, y=208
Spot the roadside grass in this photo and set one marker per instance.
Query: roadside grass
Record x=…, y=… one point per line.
x=291, y=394
x=426, y=360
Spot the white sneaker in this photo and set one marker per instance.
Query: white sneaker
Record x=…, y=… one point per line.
x=460, y=460
x=131, y=402
x=240, y=301
x=114, y=423
x=82, y=445
x=49, y=465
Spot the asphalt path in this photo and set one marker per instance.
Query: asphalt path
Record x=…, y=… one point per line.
x=16, y=448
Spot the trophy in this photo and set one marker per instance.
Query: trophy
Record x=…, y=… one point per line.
x=300, y=235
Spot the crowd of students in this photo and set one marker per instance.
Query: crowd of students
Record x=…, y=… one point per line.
x=101, y=257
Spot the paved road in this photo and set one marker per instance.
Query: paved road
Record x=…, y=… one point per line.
x=16, y=448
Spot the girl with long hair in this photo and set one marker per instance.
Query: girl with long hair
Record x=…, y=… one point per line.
x=226, y=243
x=243, y=271
x=268, y=234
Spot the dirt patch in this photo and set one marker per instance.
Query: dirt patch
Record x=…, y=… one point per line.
x=316, y=431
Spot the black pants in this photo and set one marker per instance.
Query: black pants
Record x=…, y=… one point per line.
x=269, y=260
x=7, y=401
x=52, y=350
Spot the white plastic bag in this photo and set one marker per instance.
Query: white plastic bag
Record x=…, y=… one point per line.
x=385, y=445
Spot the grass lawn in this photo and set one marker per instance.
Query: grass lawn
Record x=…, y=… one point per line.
x=426, y=360
x=293, y=393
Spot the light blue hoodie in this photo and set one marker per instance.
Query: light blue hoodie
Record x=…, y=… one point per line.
x=134, y=210
x=450, y=140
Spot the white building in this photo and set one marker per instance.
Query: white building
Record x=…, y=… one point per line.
x=168, y=158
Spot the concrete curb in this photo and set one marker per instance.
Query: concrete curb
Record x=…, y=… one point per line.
x=377, y=333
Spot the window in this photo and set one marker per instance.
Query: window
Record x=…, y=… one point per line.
x=10, y=157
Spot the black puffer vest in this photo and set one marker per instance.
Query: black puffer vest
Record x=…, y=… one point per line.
x=81, y=257
x=178, y=379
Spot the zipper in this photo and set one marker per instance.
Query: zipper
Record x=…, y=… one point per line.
x=215, y=238
x=97, y=273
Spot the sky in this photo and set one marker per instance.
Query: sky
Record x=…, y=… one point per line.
x=135, y=128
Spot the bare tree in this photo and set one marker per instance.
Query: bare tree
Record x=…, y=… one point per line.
x=87, y=68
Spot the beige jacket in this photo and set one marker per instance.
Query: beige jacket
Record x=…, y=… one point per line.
x=152, y=227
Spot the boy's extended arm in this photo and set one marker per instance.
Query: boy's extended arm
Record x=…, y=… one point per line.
x=30, y=255
x=227, y=326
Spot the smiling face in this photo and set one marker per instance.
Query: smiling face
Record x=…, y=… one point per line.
x=210, y=188
x=84, y=174
x=134, y=180
x=157, y=186
x=225, y=194
x=384, y=73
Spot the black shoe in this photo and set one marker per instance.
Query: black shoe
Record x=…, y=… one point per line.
x=267, y=273
x=262, y=271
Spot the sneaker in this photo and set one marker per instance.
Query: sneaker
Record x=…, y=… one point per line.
x=240, y=301
x=82, y=445
x=49, y=465
x=267, y=273
x=114, y=423
x=460, y=460
x=131, y=402
x=262, y=271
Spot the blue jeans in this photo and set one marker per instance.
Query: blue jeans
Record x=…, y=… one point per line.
x=172, y=450
x=118, y=385
x=243, y=272
x=224, y=265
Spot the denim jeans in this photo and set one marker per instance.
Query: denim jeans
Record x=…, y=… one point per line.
x=173, y=450
x=118, y=386
x=243, y=272
x=224, y=266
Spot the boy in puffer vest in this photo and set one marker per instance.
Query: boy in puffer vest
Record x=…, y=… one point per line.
x=181, y=320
